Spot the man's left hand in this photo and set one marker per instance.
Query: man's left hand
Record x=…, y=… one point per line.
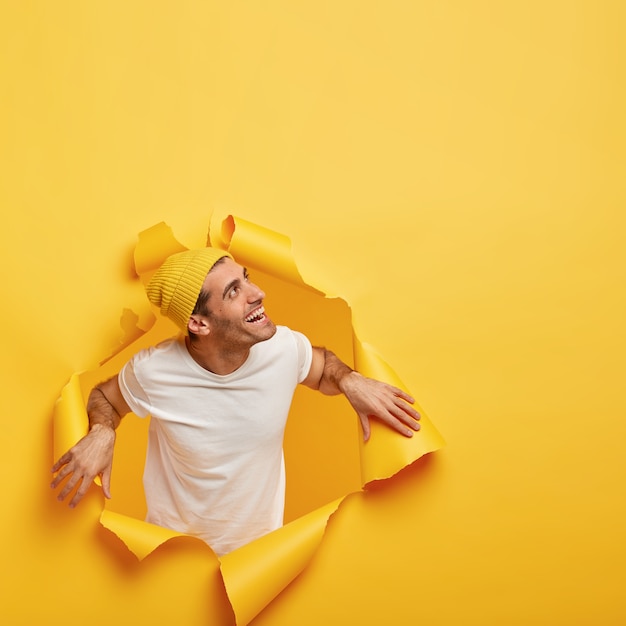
x=372, y=398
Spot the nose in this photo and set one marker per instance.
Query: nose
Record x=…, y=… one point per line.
x=255, y=293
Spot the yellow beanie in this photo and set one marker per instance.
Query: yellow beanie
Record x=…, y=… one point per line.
x=176, y=285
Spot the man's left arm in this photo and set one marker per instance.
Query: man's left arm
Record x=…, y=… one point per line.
x=368, y=397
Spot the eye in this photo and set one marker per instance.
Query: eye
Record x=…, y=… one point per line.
x=233, y=292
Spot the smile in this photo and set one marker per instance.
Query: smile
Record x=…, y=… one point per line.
x=258, y=315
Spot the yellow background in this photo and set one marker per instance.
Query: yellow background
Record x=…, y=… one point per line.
x=454, y=170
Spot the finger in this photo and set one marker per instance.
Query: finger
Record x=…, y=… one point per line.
x=80, y=492
x=400, y=414
x=404, y=395
x=399, y=422
x=396, y=391
x=106, y=482
x=365, y=425
x=71, y=483
x=61, y=462
x=407, y=409
x=398, y=409
x=63, y=472
x=402, y=429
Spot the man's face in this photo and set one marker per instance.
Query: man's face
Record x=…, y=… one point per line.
x=236, y=314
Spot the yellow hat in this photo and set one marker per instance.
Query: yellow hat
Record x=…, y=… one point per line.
x=176, y=285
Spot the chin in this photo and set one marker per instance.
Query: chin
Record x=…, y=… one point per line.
x=269, y=330
x=263, y=332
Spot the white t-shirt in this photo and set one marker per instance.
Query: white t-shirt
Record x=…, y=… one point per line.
x=214, y=465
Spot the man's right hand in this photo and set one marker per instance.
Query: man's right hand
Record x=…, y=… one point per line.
x=92, y=456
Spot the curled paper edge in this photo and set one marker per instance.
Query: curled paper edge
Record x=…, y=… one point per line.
x=386, y=453
x=258, y=572
x=70, y=417
x=140, y=537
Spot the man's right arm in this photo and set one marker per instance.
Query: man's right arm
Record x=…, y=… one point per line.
x=93, y=455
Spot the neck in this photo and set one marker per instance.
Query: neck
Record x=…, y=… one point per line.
x=216, y=360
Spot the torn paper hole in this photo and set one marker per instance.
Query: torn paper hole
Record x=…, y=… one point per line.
x=322, y=432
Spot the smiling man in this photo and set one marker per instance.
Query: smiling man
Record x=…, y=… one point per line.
x=218, y=396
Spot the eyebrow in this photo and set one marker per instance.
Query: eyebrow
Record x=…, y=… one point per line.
x=234, y=283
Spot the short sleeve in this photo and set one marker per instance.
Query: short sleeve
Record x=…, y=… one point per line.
x=305, y=355
x=132, y=391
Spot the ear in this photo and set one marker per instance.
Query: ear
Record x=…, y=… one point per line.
x=199, y=325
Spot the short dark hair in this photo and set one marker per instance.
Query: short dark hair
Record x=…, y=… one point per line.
x=201, y=307
x=201, y=303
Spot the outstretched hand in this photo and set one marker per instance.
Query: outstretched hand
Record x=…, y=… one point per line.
x=372, y=398
x=92, y=456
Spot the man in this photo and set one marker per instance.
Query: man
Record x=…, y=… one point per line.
x=218, y=396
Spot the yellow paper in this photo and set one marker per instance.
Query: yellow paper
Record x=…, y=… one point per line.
x=258, y=572
x=454, y=170
x=140, y=537
x=385, y=453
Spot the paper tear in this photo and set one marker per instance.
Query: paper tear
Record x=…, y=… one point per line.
x=258, y=572
x=141, y=538
x=155, y=244
x=260, y=248
x=385, y=453
x=131, y=331
x=70, y=417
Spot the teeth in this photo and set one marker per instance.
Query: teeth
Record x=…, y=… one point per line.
x=256, y=315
